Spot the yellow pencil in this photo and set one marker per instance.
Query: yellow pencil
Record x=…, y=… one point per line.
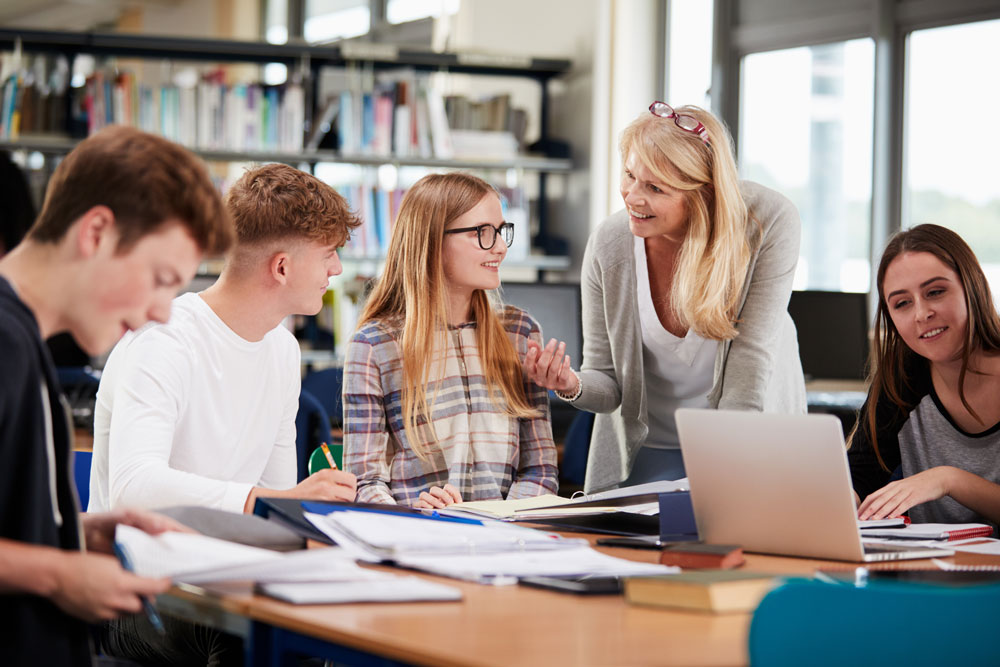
x=329, y=456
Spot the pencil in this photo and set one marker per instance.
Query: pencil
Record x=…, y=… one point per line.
x=329, y=456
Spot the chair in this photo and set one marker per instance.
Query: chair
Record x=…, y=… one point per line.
x=808, y=622
x=326, y=386
x=576, y=449
x=312, y=426
x=81, y=475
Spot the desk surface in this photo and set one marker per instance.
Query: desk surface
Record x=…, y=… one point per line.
x=522, y=626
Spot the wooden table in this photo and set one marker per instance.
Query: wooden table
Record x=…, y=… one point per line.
x=505, y=625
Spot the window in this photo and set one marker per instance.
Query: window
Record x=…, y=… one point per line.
x=689, y=61
x=806, y=131
x=327, y=20
x=401, y=11
x=953, y=139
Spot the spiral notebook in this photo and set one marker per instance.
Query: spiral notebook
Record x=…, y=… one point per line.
x=932, y=531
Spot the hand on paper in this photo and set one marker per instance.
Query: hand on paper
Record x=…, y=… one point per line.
x=94, y=587
x=897, y=497
x=99, y=528
x=549, y=367
x=437, y=497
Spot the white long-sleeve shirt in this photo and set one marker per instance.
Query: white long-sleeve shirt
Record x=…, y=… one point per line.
x=190, y=413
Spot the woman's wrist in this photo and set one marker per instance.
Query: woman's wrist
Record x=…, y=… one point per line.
x=570, y=397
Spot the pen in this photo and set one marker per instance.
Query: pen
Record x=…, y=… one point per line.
x=329, y=456
x=147, y=606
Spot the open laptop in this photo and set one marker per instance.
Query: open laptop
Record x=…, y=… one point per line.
x=777, y=484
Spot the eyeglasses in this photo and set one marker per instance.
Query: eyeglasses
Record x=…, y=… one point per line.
x=487, y=234
x=684, y=121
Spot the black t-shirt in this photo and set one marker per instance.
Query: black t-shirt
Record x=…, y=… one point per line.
x=33, y=630
x=866, y=473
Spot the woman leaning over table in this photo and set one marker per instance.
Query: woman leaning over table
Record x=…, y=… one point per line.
x=685, y=300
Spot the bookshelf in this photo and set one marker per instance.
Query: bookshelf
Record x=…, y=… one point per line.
x=308, y=62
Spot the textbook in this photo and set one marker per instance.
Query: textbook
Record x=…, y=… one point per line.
x=718, y=591
x=641, y=499
x=703, y=556
x=380, y=587
x=933, y=531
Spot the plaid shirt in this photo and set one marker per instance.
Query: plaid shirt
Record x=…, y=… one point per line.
x=483, y=452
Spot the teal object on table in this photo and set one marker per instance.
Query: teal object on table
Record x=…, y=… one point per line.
x=806, y=622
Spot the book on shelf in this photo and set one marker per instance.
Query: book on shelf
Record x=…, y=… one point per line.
x=718, y=591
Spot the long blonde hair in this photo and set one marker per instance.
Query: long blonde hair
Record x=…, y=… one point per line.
x=715, y=256
x=412, y=291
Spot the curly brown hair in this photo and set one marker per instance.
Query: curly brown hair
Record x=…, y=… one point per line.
x=276, y=201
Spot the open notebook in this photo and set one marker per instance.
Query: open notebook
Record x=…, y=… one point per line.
x=324, y=575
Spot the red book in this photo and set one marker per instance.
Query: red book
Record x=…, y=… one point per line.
x=703, y=556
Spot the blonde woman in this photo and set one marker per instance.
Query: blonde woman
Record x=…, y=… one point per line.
x=437, y=409
x=685, y=300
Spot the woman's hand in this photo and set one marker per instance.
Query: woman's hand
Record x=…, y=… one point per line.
x=548, y=367
x=437, y=497
x=897, y=497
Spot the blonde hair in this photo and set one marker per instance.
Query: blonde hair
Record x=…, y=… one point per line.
x=715, y=256
x=412, y=292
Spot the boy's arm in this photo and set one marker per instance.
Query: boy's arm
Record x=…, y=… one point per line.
x=93, y=587
x=150, y=390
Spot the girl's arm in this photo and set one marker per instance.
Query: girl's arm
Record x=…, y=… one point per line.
x=537, y=471
x=978, y=494
x=366, y=436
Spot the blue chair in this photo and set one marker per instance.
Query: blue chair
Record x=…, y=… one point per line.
x=576, y=449
x=805, y=622
x=81, y=475
x=312, y=426
x=326, y=386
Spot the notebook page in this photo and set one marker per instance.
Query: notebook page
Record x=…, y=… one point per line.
x=385, y=588
x=172, y=554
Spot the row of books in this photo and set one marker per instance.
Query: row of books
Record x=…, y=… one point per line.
x=33, y=99
x=211, y=115
x=407, y=117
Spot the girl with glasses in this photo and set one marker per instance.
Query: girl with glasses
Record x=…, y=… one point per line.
x=685, y=300
x=932, y=411
x=437, y=409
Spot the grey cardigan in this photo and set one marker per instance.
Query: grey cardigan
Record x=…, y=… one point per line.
x=757, y=370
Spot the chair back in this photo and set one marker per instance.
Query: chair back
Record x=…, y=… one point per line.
x=326, y=386
x=806, y=622
x=81, y=476
x=312, y=426
x=576, y=449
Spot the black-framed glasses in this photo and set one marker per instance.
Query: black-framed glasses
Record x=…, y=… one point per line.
x=686, y=122
x=487, y=234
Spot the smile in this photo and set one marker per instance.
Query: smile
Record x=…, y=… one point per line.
x=640, y=216
x=933, y=332
x=491, y=265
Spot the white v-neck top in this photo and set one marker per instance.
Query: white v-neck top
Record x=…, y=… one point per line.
x=678, y=372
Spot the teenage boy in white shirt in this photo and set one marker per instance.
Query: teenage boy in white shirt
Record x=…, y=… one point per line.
x=201, y=410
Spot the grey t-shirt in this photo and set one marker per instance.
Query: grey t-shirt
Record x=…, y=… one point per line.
x=929, y=438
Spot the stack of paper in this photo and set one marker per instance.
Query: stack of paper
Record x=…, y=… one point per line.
x=487, y=552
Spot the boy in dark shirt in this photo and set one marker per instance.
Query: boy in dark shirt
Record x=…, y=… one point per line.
x=126, y=220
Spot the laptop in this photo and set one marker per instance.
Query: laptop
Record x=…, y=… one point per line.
x=777, y=484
